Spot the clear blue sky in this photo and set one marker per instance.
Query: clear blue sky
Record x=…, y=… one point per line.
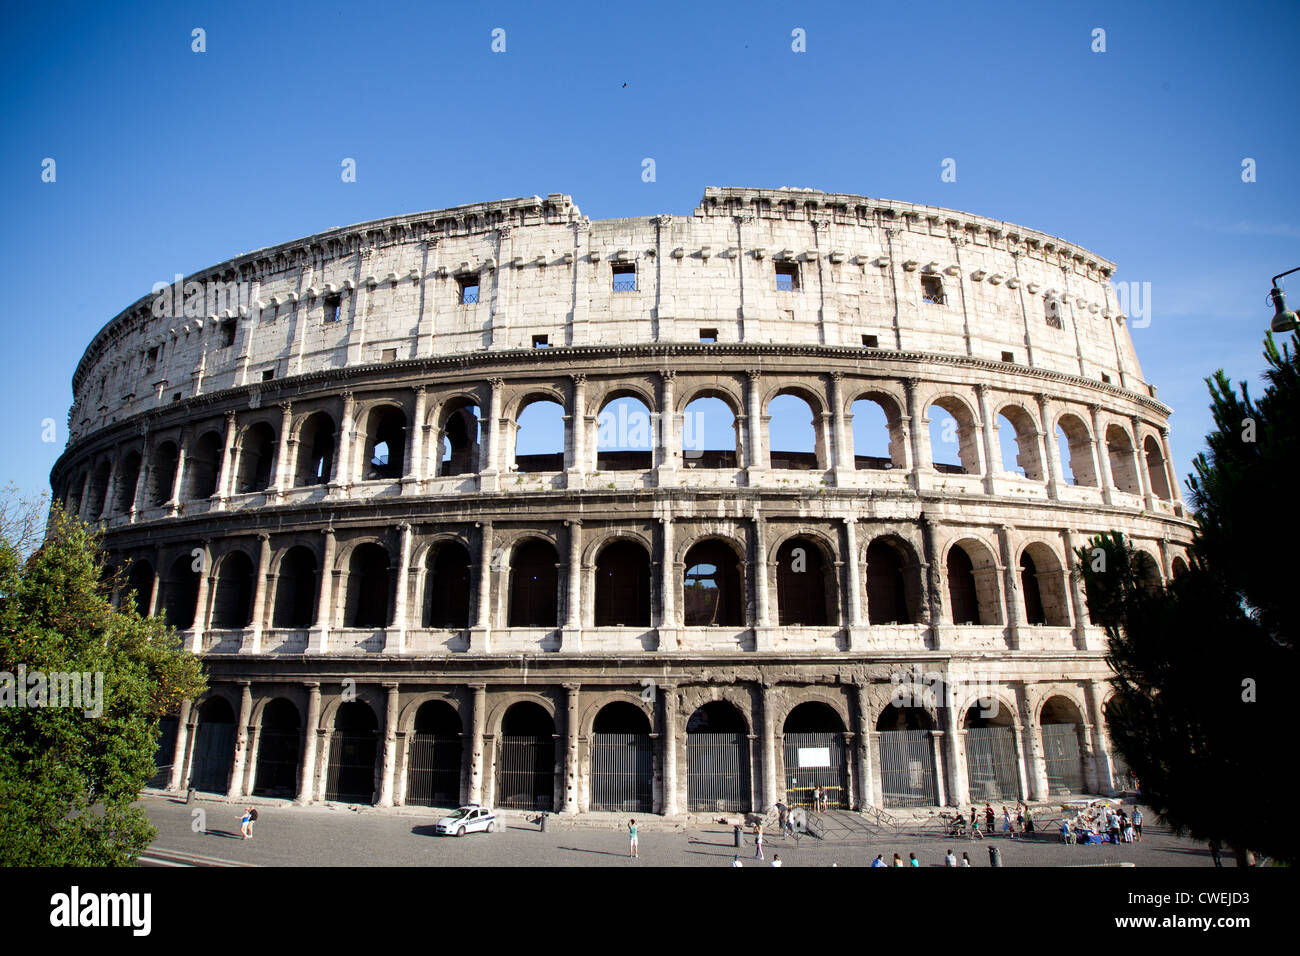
x=169, y=161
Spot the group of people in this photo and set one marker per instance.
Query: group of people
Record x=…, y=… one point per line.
x=948, y=860
x=247, y=821
x=1022, y=823
x=1104, y=824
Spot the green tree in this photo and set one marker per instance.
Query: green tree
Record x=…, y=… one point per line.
x=68, y=780
x=1205, y=665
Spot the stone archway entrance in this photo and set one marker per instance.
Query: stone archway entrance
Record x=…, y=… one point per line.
x=815, y=756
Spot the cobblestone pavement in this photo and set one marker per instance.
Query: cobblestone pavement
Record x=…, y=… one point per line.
x=337, y=835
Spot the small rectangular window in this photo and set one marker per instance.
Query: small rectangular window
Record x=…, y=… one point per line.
x=468, y=286
x=624, y=277
x=150, y=359
x=1105, y=378
x=932, y=290
x=268, y=374
x=388, y=355
x=1008, y=356
x=227, y=333
x=787, y=276
x=871, y=341
x=333, y=308
x=176, y=397
x=708, y=335
x=541, y=341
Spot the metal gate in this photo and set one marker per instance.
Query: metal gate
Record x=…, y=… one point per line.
x=277, y=763
x=351, y=777
x=907, y=769
x=717, y=772
x=526, y=773
x=992, y=768
x=214, y=756
x=1061, y=753
x=622, y=772
x=433, y=770
x=816, y=760
x=162, y=760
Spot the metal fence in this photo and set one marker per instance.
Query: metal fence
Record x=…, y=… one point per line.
x=907, y=769
x=526, y=773
x=717, y=772
x=166, y=752
x=992, y=767
x=277, y=763
x=1061, y=754
x=816, y=760
x=622, y=772
x=351, y=777
x=214, y=755
x=433, y=770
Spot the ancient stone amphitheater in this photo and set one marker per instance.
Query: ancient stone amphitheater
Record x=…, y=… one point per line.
x=490, y=504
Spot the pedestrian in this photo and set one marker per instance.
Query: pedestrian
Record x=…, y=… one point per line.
x=1020, y=817
x=817, y=799
x=1214, y=853
x=1128, y=830
x=898, y=860
x=776, y=859
x=735, y=860
x=949, y=859
x=879, y=860
x=781, y=814
x=1112, y=826
x=243, y=824
x=252, y=821
x=912, y=860
x=758, y=841
x=1137, y=822
x=965, y=860
x=990, y=819
x=631, y=839
x=1029, y=820
x=1006, y=824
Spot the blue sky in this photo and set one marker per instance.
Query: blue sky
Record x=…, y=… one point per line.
x=169, y=160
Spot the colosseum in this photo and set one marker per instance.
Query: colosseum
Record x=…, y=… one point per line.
x=498, y=504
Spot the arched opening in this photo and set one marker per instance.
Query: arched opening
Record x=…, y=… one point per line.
x=369, y=587
x=385, y=434
x=801, y=586
x=279, y=742
x=877, y=434
x=815, y=755
x=954, y=446
x=1018, y=438
x=163, y=474
x=540, y=437
x=992, y=763
x=1061, y=726
x=139, y=580
x=711, y=586
x=623, y=585
x=447, y=586
x=525, y=778
x=315, y=465
x=354, y=746
x=459, y=439
x=1156, y=473
x=74, y=494
x=1147, y=570
x=534, y=598
x=622, y=760
x=128, y=477
x=907, y=770
x=214, y=747
x=1074, y=443
x=180, y=593
x=710, y=438
x=256, y=457
x=624, y=435
x=1029, y=588
x=165, y=752
x=792, y=434
x=1179, y=567
x=1043, y=585
x=962, y=593
x=887, y=597
x=99, y=487
x=435, y=756
x=232, y=605
x=1123, y=470
x=295, y=589
x=202, y=467
x=717, y=760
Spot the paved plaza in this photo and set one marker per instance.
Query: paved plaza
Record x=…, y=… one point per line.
x=341, y=835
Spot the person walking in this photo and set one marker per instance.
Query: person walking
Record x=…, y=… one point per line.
x=252, y=821
x=949, y=859
x=758, y=841
x=898, y=860
x=990, y=819
x=1020, y=817
x=1006, y=824
x=1029, y=820
x=1214, y=853
x=912, y=860
x=1137, y=822
x=631, y=839
x=243, y=824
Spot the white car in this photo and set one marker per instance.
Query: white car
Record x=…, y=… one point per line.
x=467, y=819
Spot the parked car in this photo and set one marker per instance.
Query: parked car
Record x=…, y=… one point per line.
x=467, y=819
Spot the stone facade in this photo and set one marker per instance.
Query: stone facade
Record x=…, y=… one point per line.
x=307, y=457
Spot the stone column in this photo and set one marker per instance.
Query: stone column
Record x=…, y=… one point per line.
x=307, y=772
x=415, y=463
x=754, y=437
x=226, y=480
x=572, y=639
x=577, y=424
x=862, y=756
x=669, y=736
x=758, y=571
x=201, y=599
x=477, y=722
x=1011, y=586
x=1078, y=596
x=1140, y=463
x=319, y=639
x=1035, y=762
x=395, y=639
x=254, y=643
x=183, y=724
x=1103, y=765
x=178, y=478
x=853, y=578
x=769, y=748
x=390, y=744
x=958, y=777
x=669, y=444
x=843, y=453
x=667, y=587
x=940, y=788
x=916, y=429
x=284, y=451
x=571, y=748
x=1174, y=496
x=343, y=470
x=481, y=633
x=491, y=438
x=241, y=739
x=992, y=453
x=1104, y=477
x=1052, y=454
x=1022, y=762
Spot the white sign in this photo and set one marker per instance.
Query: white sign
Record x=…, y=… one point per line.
x=814, y=757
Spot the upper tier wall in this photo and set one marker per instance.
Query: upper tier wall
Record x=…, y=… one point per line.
x=861, y=268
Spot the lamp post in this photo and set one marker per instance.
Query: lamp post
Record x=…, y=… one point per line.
x=1283, y=320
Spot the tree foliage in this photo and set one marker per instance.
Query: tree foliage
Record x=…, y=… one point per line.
x=1205, y=665
x=68, y=780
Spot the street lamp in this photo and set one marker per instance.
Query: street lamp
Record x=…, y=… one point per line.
x=1283, y=321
